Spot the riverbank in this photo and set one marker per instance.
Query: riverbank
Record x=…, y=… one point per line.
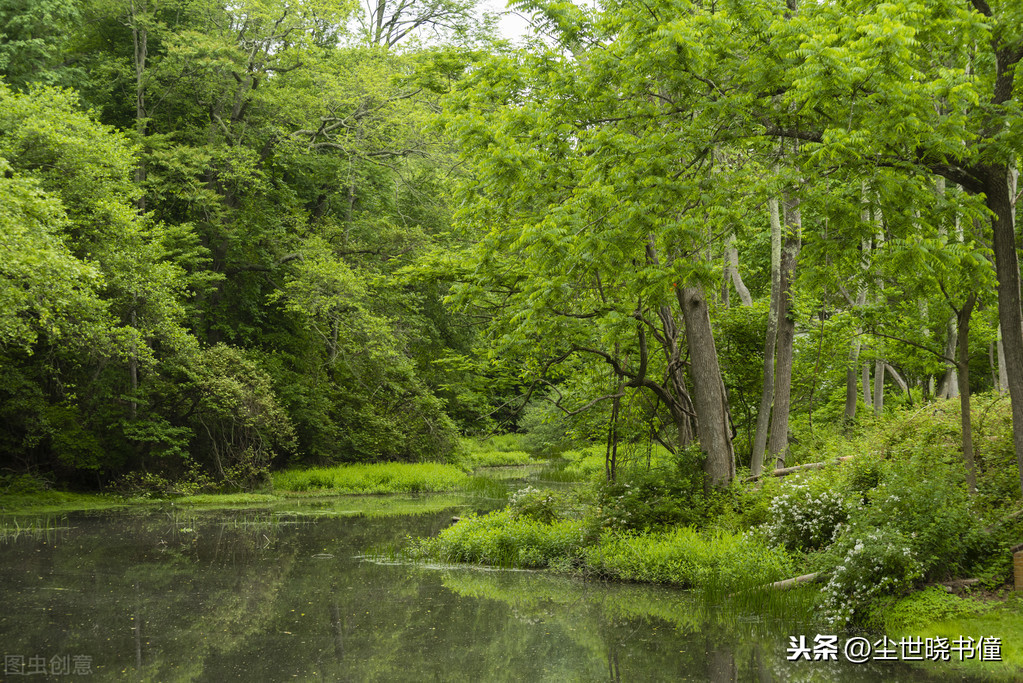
x=874, y=516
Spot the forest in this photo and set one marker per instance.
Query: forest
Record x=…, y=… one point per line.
x=249, y=235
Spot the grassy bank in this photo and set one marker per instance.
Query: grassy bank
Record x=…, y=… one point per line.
x=891, y=518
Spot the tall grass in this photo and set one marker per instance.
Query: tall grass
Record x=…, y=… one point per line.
x=717, y=562
x=372, y=478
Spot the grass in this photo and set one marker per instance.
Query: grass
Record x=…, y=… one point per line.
x=372, y=478
x=54, y=502
x=933, y=613
x=718, y=562
x=498, y=459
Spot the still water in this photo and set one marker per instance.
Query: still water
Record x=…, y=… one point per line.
x=281, y=595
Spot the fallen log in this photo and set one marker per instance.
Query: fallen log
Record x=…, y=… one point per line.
x=793, y=582
x=785, y=471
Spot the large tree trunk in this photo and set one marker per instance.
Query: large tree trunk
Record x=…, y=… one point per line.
x=767, y=394
x=1002, y=204
x=708, y=390
x=778, y=445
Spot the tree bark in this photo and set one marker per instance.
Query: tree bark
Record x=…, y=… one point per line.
x=1003, y=377
x=778, y=446
x=1002, y=204
x=900, y=381
x=963, y=315
x=949, y=380
x=708, y=390
x=879, y=368
x=732, y=256
x=867, y=396
x=140, y=42
x=770, y=340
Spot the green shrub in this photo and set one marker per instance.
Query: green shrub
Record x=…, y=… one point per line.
x=22, y=484
x=505, y=539
x=925, y=500
x=871, y=565
x=497, y=458
x=531, y=503
x=670, y=494
x=807, y=515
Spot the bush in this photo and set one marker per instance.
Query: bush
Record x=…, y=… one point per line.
x=531, y=503
x=807, y=516
x=925, y=500
x=670, y=494
x=505, y=539
x=870, y=565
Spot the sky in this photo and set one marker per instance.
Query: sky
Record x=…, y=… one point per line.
x=513, y=26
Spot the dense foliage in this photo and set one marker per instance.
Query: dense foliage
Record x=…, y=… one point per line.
x=241, y=236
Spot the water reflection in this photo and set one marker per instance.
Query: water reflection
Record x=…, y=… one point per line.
x=272, y=597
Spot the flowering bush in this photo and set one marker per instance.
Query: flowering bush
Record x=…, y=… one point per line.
x=871, y=565
x=534, y=504
x=806, y=517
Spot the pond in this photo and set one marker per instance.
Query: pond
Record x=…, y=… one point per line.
x=280, y=595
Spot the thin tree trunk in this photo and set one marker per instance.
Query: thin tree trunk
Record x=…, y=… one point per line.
x=732, y=256
x=770, y=340
x=850, y=381
x=867, y=395
x=708, y=390
x=140, y=41
x=992, y=359
x=778, y=446
x=948, y=386
x=879, y=367
x=964, y=390
x=903, y=384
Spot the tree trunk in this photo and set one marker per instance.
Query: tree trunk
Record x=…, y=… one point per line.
x=708, y=390
x=964, y=390
x=850, y=381
x=778, y=445
x=1003, y=378
x=732, y=256
x=851, y=389
x=140, y=41
x=1002, y=204
x=948, y=380
x=867, y=395
x=770, y=340
x=903, y=384
x=879, y=367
